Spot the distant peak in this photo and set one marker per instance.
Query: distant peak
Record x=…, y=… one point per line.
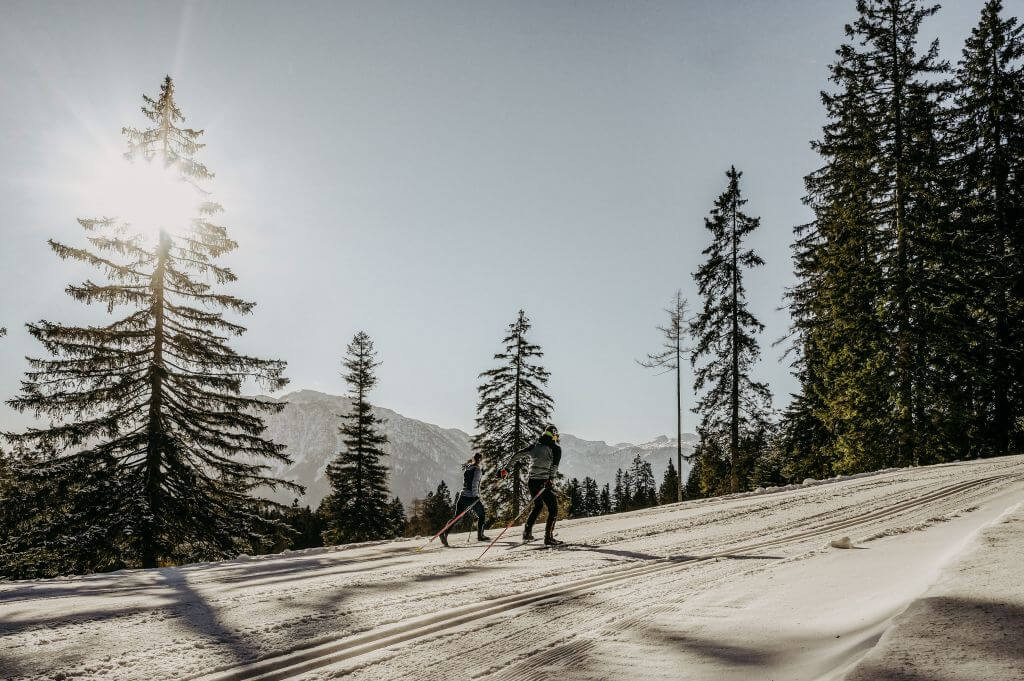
x=306, y=395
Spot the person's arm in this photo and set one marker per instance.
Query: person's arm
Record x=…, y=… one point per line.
x=556, y=457
x=518, y=456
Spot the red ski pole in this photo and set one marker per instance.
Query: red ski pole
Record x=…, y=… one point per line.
x=449, y=524
x=514, y=521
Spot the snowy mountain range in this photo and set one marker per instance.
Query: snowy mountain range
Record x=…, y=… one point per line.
x=422, y=454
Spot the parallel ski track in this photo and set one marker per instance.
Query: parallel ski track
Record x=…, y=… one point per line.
x=304, y=660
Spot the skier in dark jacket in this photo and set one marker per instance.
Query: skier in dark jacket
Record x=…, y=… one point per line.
x=544, y=456
x=469, y=497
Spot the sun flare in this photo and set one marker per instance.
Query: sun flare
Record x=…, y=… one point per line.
x=145, y=194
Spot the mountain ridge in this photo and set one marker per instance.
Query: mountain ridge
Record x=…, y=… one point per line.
x=422, y=454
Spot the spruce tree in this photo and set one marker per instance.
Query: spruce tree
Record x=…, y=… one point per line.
x=574, y=491
x=726, y=332
x=710, y=475
x=670, y=359
x=670, y=487
x=438, y=508
x=872, y=310
x=397, y=518
x=644, y=490
x=152, y=455
x=988, y=141
x=512, y=409
x=358, y=508
x=627, y=501
x=591, y=497
x=606, y=500
x=620, y=496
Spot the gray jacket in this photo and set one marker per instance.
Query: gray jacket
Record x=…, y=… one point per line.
x=544, y=455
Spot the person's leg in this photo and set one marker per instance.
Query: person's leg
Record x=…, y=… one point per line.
x=460, y=505
x=535, y=487
x=478, y=511
x=551, y=501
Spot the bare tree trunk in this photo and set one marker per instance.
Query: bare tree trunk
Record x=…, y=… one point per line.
x=734, y=439
x=679, y=413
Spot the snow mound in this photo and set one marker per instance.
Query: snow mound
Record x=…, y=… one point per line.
x=841, y=543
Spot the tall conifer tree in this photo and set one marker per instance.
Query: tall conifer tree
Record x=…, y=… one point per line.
x=869, y=311
x=153, y=455
x=733, y=405
x=358, y=508
x=989, y=161
x=512, y=409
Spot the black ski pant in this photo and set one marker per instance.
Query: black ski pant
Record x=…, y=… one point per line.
x=475, y=506
x=546, y=498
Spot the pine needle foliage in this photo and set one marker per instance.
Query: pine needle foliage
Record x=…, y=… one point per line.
x=733, y=406
x=670, y=485
x=988, y=141
x=512, y=409
x=878, y=330
x=591, y=497
x=358, y=507
x=153, y=456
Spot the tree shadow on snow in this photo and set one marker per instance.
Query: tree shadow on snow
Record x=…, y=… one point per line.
x=196, y=614
x=10, y=668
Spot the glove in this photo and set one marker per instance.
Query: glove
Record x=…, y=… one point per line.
x=504, y=473
x=549, y=484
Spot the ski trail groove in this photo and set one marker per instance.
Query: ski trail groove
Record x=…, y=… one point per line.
x=307, y=659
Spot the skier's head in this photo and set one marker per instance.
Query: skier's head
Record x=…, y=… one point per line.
x=551, y=431
x=477, y=458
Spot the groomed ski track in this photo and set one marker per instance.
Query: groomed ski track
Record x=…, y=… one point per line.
x=384, y=611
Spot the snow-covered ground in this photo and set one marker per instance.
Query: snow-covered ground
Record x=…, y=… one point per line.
x=736, y=588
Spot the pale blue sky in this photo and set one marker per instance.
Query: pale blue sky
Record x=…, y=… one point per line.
x=422, y=170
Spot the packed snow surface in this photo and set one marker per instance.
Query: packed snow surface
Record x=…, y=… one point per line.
x=746, y=587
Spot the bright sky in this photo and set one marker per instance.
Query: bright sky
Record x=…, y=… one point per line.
x=422, y=170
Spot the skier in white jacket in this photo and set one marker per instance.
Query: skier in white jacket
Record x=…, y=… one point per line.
x=544, y=456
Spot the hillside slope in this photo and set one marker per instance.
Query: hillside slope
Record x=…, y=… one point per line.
x=737, y=588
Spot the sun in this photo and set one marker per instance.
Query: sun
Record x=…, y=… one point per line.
x=146, y=195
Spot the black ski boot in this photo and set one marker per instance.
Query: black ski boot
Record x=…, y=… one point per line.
x=528, y=533
x=444, y=539
x=482, y=537
x=549, y=540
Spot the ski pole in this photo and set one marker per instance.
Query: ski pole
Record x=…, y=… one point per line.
x=514, y=521
x=449, y=524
